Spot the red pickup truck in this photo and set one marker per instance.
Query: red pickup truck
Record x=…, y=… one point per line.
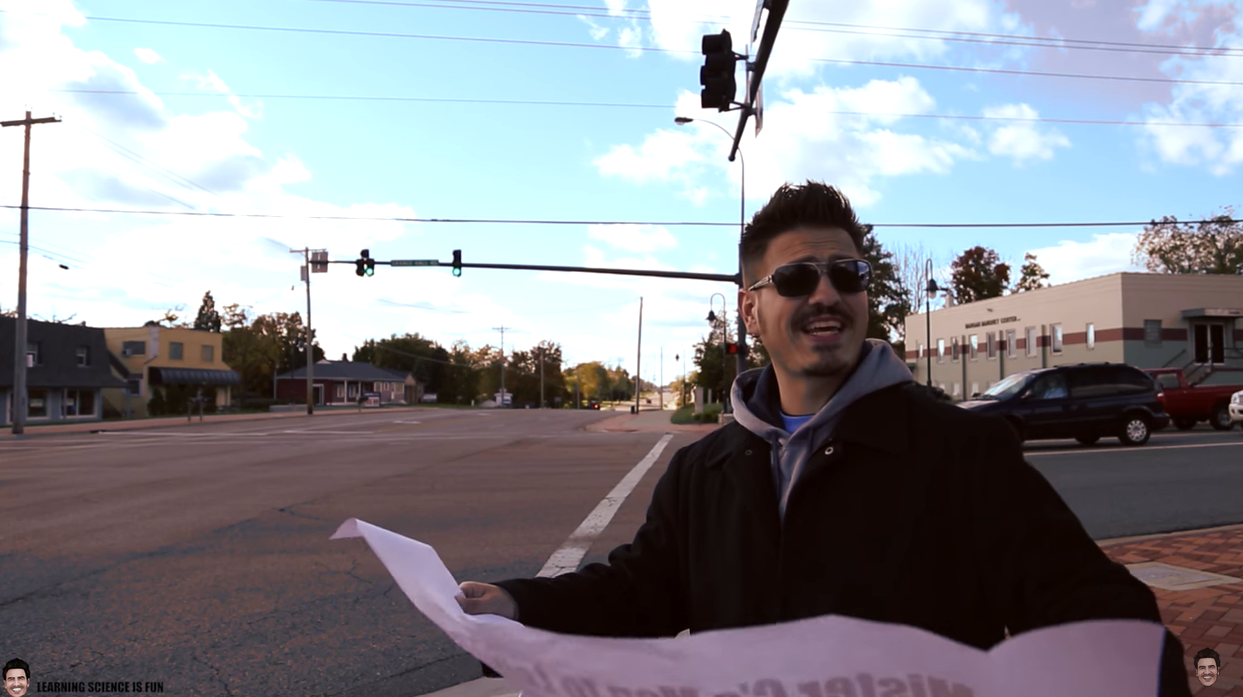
x=1189, y=404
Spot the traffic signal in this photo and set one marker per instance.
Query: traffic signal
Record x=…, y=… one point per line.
x=457, y=262
x=717, y=73
x=731, y=349
x=365, y=266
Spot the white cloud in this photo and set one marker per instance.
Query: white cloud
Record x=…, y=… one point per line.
x=149, y=56
x=678, y=25
x=1219, y=150
x=803, y=139
x=634, y=238
x=1072, y=260
x=1023, y=141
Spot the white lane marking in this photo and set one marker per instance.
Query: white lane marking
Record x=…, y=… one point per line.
x=317, y=432
x=568, y=556
x=1140, y=449
x=407, y=422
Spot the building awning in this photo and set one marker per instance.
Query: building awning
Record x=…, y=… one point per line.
x=1204, y=312
x=193, y=376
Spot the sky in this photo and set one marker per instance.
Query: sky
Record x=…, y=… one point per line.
x=921, y=111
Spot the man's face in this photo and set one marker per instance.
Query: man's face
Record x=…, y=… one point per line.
x=1206, y=671
x=784, y=324
x=15, y=682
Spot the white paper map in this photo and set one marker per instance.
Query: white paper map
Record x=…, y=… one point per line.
x=826, y=656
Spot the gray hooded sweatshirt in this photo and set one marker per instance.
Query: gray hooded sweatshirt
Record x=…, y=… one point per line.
x=757, y=407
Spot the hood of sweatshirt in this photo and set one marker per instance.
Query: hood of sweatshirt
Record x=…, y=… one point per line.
x=757, y=407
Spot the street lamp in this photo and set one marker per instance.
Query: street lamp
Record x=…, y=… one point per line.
x=742, y=225
x=932, y=290
x=712, y=317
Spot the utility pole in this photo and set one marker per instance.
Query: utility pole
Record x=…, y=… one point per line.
x=501, y=329
x=20, y=396
x=310, y=350
x=662, y=378
x=638, y=360
x=541, y=377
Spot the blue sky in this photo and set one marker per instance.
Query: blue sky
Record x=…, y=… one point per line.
x=216, y=151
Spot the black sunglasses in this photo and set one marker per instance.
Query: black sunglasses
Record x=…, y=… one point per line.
x=847, y=276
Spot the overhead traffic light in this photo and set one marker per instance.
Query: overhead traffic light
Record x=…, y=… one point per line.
x=731, y=349
x=717, y=73
x=365, y=265
x=457, y=262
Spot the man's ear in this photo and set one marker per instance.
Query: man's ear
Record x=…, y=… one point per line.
x=750, y=315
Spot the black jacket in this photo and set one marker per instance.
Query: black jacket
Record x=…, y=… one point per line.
x=917, y=512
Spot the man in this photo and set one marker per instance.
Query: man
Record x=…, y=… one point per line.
x=1208, y=663
x=843, y=488
x=16, y=677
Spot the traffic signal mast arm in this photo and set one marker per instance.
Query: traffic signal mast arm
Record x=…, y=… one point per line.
x=725, y=278
x=776, y=11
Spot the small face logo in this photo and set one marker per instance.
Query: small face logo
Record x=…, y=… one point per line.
x=15, y=682
x=1206, y=671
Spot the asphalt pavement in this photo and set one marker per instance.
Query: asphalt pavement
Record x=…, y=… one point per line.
x=198, y=555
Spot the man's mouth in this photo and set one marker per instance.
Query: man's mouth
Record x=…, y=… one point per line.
x=824, y=326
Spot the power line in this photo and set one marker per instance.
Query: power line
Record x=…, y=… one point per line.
x=533, y=102
x=155, y=167
x=656, y=49
x=501, y=221
x=375, y=218
x=821, y=27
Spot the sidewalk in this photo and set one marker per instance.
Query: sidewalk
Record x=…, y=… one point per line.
x=1196, y=575
x=179, y=421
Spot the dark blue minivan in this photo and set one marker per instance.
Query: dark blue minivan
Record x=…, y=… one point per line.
x=1086, y=402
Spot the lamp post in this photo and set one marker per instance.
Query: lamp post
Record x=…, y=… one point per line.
x=712, y=317
x=932, y=289
x=742, y=225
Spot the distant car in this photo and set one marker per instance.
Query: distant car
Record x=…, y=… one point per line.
x=594, y=404
x=1236, y=407
x=1086, y=402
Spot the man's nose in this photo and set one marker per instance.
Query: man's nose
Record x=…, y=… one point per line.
x=825, y=293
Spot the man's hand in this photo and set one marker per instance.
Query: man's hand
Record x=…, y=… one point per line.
x=487, y=599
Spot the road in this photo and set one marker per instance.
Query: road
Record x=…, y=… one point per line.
x=199, y=556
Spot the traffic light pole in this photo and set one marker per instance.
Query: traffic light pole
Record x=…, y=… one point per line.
x=723, y=278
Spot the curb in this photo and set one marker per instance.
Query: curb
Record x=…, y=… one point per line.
x=89, y=427
x=1163, y=535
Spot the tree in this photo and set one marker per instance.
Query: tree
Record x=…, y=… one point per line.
x=208, y=319
x=979, y=274
x=171, y=318
x=888, y=299
x=1211, y=247
x=1032, y=276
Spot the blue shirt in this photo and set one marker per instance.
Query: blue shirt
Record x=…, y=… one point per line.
x=793, y=422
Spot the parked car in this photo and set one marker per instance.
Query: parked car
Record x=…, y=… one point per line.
x=1189, y=404
x=1086, y=402
x=1236, y=407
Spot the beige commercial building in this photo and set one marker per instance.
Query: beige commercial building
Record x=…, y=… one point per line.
x=152, y=357
x=1145, y=320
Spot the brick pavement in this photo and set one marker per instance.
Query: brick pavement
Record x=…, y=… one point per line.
x=1207, y=617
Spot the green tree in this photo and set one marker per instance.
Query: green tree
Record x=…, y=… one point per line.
x=979, y=274
x=1211, y=247
x=1032, y=276
x=888, y=299
x=208, y=319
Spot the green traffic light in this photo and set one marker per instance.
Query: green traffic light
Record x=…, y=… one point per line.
x=457, y=271
x=370, y=271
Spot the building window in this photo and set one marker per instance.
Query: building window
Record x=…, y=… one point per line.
x=1032, y=343
x=78, y=403
x=209, y=354
x=133, y=387
x=1056, y=332
x=1152, y=332
x=175, y=350
x=1091, y=336
x=134, y=348
x=1012, y=349
x=84, y=356
x=992, y=345
x=36, y=403
x=957, y=389
x=920, y=352
x=940, y=350
x=340, y=391
x=975, y=389
x=956, y=349
x=975, y=346
x=34, y=353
